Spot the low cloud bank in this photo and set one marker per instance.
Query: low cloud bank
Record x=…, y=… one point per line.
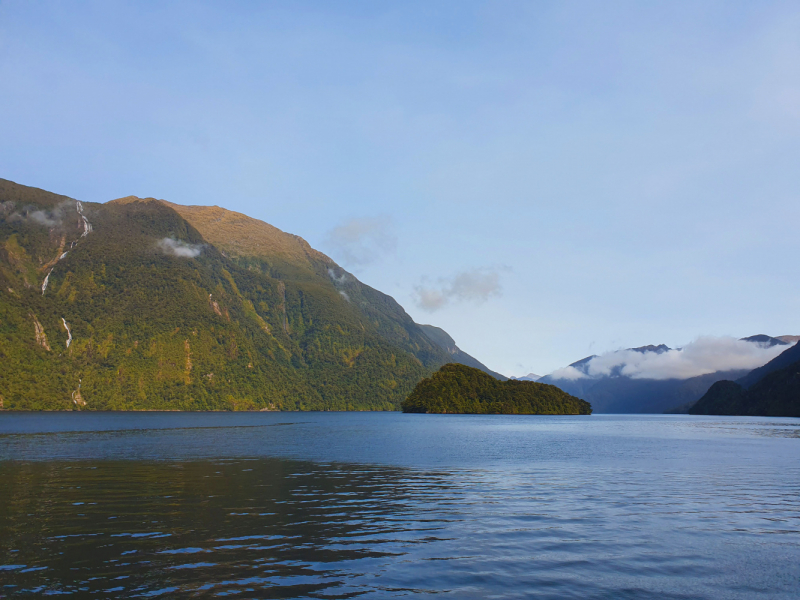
x=477, y=286
x=179, y=248
x=362, y=241
x=704, y=355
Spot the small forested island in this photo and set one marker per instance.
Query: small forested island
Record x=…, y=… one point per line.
x=459, y=389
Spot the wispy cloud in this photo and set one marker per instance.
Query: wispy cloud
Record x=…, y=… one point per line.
x=361, y=241
x=337, y=279
x=45, y=218
x=179, y=248
x=704, y=355
x=476, y=286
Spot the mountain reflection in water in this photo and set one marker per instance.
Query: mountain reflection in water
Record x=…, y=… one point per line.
x=620, y=517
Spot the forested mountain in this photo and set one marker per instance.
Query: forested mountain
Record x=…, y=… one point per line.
x=771, y=391
x=461, y=389
x=142, y=304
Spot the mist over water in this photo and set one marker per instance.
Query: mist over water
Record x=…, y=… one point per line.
x=317, y=505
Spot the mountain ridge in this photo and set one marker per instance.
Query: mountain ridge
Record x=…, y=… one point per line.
x=129, y=305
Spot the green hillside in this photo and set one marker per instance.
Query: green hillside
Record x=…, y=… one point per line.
x=158, y=316
x=460, y=389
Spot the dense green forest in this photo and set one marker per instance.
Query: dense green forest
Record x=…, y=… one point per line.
x=458, y=388
x=126, y=305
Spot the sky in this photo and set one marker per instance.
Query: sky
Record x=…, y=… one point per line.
x=543, y=180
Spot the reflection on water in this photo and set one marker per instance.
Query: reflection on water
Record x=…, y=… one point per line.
x=615, y=508
x=151, y=528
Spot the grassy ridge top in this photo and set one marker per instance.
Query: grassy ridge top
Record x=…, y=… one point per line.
x=456, y=388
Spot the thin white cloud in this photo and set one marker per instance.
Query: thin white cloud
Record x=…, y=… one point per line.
x=45, y=218
x=179, y=248
x=361, y=241
x=476, y=285
x=337, y=279
x=704, y=355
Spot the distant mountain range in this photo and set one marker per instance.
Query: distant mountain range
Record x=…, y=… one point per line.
x=772, y=390
x=614, y=391
x=144, y=304
x=528, y=377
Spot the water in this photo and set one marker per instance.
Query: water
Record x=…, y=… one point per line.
x=380, y=505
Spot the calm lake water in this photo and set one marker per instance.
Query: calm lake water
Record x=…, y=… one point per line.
x=377, y=505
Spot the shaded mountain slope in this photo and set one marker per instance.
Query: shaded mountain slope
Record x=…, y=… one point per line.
x=771, y=391
x=461, y=389
x=784, y=359
x=142, y=311
x=442, y=339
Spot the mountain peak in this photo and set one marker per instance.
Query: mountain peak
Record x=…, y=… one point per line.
x=239, y=235
x=660, y=349
x=765, y=341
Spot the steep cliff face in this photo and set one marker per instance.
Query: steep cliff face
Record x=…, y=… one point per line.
x=138, y=304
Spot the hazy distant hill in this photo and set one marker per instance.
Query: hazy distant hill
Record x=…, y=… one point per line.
x=628, y=395
x=767, y=341
x=772, y=390
x=143, y=304
x=528, y=377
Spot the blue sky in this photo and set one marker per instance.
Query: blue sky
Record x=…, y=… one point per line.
x=542, y=180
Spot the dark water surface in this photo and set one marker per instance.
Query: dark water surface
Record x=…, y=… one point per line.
x=377, y=505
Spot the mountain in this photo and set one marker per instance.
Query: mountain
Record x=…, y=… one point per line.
x=772, y=391
x=461, y=389
x=144, y=304
x=528, y=377
x=620, y=394
x=616, y=392
x=440, y=337
x=784, y=359
x=660, y=349
x=766, y=341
